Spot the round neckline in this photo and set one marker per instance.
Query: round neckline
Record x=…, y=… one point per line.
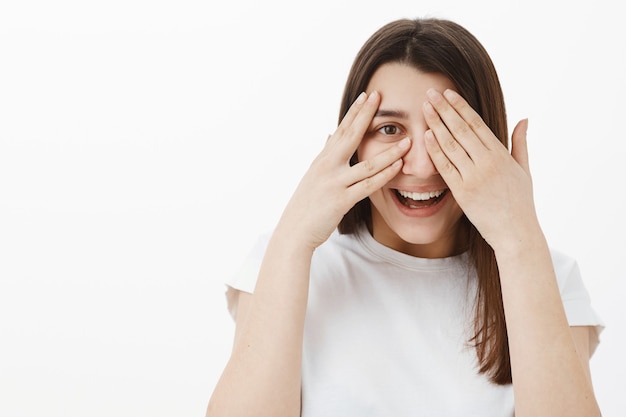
x=387, y=254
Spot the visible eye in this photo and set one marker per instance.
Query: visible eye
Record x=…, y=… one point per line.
x=389, y=130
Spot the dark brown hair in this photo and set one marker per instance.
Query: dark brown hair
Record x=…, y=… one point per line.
x=444, y=47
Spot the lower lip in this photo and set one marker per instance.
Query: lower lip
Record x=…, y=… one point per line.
x=419, y=212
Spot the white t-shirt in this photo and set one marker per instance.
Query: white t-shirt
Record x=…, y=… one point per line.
x=386, y=334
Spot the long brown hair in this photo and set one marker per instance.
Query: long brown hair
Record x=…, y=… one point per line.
x=444, y=47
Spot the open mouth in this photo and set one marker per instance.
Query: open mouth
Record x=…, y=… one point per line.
x=415, y=200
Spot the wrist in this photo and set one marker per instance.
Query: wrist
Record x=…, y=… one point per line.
x=293, y=236
x=519, y=242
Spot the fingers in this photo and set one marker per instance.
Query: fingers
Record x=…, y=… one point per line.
x=519, y=145
x=448, y=144
x=371, y=167
x=445, y=167
x=354, y=125
x=363, y=188
x=463, y=121
x=460, y=134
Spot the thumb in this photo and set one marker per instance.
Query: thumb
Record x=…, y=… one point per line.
x=519, y=146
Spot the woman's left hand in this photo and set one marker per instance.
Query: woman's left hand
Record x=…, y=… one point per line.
x=492, y=186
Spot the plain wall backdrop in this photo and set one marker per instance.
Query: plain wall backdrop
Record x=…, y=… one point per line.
x=145, y=145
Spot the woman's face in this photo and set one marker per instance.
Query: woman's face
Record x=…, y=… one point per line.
x=415, y=212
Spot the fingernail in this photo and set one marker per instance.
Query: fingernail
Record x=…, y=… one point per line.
x=449, y=94
x=433, y=94
x=404, y=143
x=373, y=96
x=361, y=98
x=428, y=108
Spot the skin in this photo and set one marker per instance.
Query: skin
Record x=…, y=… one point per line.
x=419, y=231
x=449, y=147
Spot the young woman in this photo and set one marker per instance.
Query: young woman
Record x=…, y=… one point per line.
x=408, y=275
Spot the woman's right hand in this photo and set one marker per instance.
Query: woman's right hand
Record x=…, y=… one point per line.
x=331, y=186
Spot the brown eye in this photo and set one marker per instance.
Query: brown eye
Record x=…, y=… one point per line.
x=389, y=130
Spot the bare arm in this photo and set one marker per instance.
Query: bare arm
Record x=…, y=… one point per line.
x=549, y=360
x=581, y=336
x=494, y=189
x=263, y=375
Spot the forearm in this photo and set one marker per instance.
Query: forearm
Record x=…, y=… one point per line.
x=263, y=375
x=548, y=377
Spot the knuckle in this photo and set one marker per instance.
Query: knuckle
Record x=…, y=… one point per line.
x=462, y=128
x=476, y=122
x=452, y=145
x=368, y=166
x=369, y=185
x=447, y=167
x=340, y=131
x=323, y=162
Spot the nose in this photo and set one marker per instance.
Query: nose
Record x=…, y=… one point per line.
x=417, y=162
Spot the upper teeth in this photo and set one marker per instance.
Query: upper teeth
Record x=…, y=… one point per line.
x=420, y=196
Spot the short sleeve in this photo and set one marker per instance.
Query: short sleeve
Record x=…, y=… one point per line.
x=576, y=299
x=244, y=279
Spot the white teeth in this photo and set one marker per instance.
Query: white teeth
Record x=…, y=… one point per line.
x=420, y=196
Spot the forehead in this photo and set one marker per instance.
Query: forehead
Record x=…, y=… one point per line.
x=398, y=82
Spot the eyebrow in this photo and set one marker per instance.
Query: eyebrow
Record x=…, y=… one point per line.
x=399, y=114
